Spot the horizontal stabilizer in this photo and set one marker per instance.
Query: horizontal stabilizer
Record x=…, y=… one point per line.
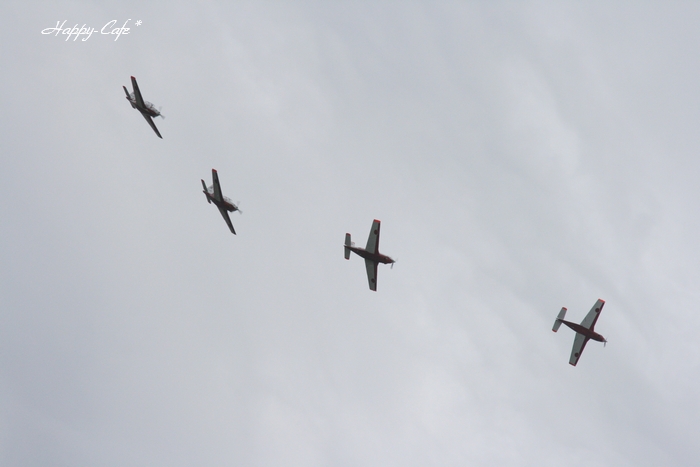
x=126, y=92
x=557, y=322
x=204, y=185
x=348, y=242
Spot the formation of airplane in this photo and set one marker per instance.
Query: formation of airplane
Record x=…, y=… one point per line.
x=584, y=331
x=370, y=253
x=147, y=109
x=225, y=205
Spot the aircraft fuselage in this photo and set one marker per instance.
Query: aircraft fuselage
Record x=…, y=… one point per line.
x=148, y=109
x=585, y=331
x=221, y=203
x=378, y=257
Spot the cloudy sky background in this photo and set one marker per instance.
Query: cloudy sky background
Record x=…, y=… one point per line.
x=521, y=156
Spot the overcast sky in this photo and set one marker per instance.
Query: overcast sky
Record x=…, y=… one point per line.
x=521, y=157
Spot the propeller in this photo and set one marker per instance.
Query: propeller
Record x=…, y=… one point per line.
x=161, y=115
x=605, y=341
x=392, y=264
x=238, y=203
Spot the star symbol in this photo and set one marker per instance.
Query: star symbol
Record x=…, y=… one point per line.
x=138, y=23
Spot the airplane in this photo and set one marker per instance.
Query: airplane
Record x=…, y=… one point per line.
x=370, y=253
x=147, y=109
x=224, y=204
x=584, y=331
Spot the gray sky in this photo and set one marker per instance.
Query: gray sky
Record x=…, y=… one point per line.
x=521, y=156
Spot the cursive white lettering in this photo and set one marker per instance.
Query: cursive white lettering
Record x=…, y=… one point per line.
x=117, y=31
x=58, y=28
x=76, y=31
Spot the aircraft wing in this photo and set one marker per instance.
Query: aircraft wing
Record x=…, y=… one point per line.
x=373, y=240
x=592, y=316
x=153, y=125
x=224, y=213
x=372, y=274
x=137, y=94
x=217, y=186
x=579, y=344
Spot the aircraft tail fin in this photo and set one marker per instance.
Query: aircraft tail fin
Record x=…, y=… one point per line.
x=204, y=185
x=560, y=317
x=348, y=243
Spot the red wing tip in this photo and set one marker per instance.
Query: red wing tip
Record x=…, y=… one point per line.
x=377, y=220
x=133, y=77
x=214, y=170
x=601, y=300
